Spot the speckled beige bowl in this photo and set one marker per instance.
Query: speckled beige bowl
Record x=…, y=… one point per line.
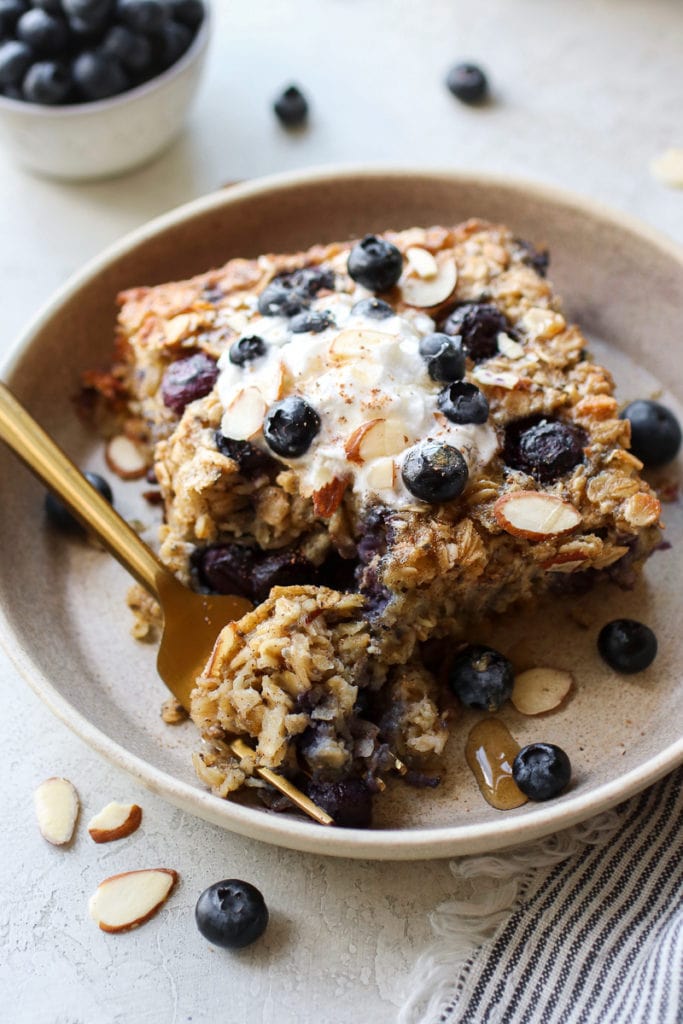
x=66, y=624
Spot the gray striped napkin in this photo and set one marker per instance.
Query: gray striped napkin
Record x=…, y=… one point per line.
x=583, y=928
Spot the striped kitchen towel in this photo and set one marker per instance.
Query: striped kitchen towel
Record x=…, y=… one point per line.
x=585, y=927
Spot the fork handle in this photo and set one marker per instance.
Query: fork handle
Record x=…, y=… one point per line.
x=49, y=463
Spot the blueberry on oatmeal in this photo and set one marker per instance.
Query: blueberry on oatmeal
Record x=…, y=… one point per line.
x=311, y=321
x=188, y=379
x=478, y=324
x=435, y=472
x=290, y=426
x=462, y=402
x=290, y=293
x=542, y=771
x=444, y=357
x=547, y=449
x=373, y=308
x=481, y=678
x=348, y=801
x=375, y=263
x=246, y=349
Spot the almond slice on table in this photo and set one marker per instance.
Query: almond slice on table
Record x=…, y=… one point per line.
x=57, y=805
x=125, y=458
x=535, y=515
x=115, y=821
x=375, y=439
x=425, y=292
x=245, y=415
x=123, y=902
x=542, y=689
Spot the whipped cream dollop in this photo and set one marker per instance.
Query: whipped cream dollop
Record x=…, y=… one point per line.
x=368, y=383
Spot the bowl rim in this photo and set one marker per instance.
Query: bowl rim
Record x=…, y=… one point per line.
x=302, y=835
x=198, y=45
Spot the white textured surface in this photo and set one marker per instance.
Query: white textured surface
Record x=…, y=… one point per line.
x=589, y=93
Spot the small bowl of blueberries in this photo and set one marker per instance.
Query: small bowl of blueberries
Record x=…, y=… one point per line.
x=93, y=88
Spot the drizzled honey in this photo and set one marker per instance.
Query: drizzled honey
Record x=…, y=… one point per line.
x=490, y=751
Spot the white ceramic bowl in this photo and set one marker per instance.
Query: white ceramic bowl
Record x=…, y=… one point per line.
x=104, y=138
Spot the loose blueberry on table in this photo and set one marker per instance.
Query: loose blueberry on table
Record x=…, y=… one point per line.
x=60, y=516
x=291, y=107
x=542, y=771
x=481, y=677
x=655, y=432
x=627, y=646
x=468, y=83
x=231, y=914
x=77, y=51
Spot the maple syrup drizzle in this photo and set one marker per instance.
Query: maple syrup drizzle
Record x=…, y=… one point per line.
x=490, y=751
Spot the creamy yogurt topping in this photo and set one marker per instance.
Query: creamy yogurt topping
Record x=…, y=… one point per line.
x=368, y=383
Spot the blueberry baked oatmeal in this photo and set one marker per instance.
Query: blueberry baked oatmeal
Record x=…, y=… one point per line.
x=378, y=443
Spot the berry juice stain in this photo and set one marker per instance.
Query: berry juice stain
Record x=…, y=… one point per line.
x=490, y=751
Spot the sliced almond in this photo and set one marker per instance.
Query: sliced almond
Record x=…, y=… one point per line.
x=425, y=292
x=509, y=347
x=327, y=499
x=115, y=821
x=500, y=379
x=353, y=343
x=375, y=439
x=567, y=562
x=123, y=902
x=244, y=416
x=382, y=474
x=539, y=690
x=125, y=458
x=535, y=515
x=273, y=388
x=56, y=803
x=422, y=262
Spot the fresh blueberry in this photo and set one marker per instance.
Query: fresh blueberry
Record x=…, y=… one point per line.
x=462, y=402
x=478, y=324
x=131, y=49
x=481, y=678
x=142, y=15
x=15, y=59
x=288, y=294
x=88, y=18
x=252, y=461
x=174, y=40
x=97, y=75
x=285, y=568
x=539, y=259
x=60, y=516
x=291, y=107
x=541, y=771
x=444, y=357
x=349, y=801
x=44, y=33
x=547, y=449
x=627, y=646
x=10, y=12
x=231, y=914
x=188, y=379
x=48, y=82
x=375, y=263
x=655, y=432
x=51, y=6
x=225, y=568
x=373, y=308
x=12, y=92
x=435, y=472
x=468, y=82
x=290, y=427
x=246, y=349
x=311, y=322
x=189, y=12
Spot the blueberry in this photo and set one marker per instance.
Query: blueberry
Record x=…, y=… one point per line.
x=533, y=257
x=290, y=426
x=131, y=49
x=225, y=568
x=174, y=39
x=655, y=432
x=10, y=12
x=435, y=472
x=291, y=107
x=285, y=568
x=373, y=308
x=481, y=678
x=349, y=801
x=231, y=914
x=12, y=92
x=60, y=516
x=444, y=357
x=311, y=321
x=246, y=349
x=142, y=15
x=97, y=75
x=627, y=646
x=88, y=17
x=468, y=82
x=375, y=263
x=478, y=324
x=43, y=32
x=15, y=59
x=188, y=379
x=541, y=771
x=252, y=461
x=462, y=402
x=189, y=12
x=288, y=294
x=545, y=448
x=51, y=6
x=47, y=81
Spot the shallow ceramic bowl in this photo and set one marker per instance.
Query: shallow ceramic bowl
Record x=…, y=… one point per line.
x=83, y=141
x=66, y=625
